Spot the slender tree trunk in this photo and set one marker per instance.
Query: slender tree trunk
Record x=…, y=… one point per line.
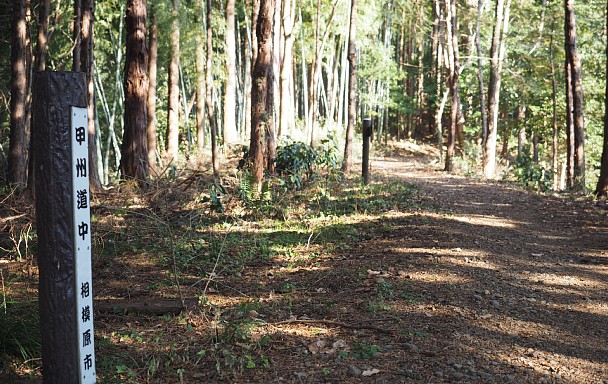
x=482, y=92
x=230, y=132
x=501, y=29
x=43, y=36
x=452, y=33
x=287, y=121
x=554, y=115
x=20, y=131
x=152, y=76
x=601, y=190
x=86, y=60
x=352, y=85
x=200, y=85
x=173, y=107
x=574, y=63
x=260, y=114
x=134, y=160
x=209, y=94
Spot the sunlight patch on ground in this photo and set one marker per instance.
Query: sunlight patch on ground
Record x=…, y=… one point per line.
x=553, y=280
x=434, y=277
x=488, y=221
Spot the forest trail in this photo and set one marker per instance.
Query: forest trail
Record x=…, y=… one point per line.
x=519, y=280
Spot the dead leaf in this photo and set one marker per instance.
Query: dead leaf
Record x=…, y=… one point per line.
x=316, y=347
x=370, y=372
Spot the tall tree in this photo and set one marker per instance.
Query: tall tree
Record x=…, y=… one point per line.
x=20, y=130
x=208, y=96
x=575, y=99
x=87, y=65
x=230, y=132
x=134, y=160
x=601, y=190
x=352, y=84
x=287, y=118
x=200, y=80
x=454, y=72
x=482, y=91
x=497, y=52
x=261, y=85
x=173, y=107
x=152, y=82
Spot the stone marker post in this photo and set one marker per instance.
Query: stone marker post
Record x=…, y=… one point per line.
x=63, y=226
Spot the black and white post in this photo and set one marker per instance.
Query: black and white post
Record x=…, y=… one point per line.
x=82, y=243
x=64, y=227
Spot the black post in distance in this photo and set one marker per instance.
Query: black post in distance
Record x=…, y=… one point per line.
x=53, y=95
x=367, y=135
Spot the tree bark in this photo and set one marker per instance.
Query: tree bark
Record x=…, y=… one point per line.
x=173, y=107
x=20, y=131
x=287, y=115
x=501, y=28
x=482, y=92
x=209, y=95
x=230, y=132
x=260, y=115
x=152, y=83
x=200, y=85
x=576, y=87
x=134, y=160
x=352, y=85
x=601, y=190
x=87, y=65
x=452, y=33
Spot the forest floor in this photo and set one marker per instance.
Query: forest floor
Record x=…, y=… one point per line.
x=421, y=277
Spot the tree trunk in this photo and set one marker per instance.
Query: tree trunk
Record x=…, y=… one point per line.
x=230, y=132
x=209, y=95
x=260, y=115
x=173, y=107
x=554, y=115
x=601, y=190
x=501, y=29
x=134, y=160
x=287, y=113
x=452, y=42
x=20, y=131
x=352, y=85
x=578, y=122
x=200, y=86
x=87, y=65
x=482, y=92
x=43, y=35
x=152, y=72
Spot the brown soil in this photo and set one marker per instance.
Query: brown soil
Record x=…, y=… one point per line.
x=480, y=282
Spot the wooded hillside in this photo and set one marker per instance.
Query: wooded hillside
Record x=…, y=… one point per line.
x=505, y=89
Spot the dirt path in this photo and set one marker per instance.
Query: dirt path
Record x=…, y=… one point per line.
x=519, y=280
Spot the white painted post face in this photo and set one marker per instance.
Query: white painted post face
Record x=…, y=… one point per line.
x=82, y=244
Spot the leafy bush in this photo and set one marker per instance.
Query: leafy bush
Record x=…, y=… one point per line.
x=298, y=162
x=531, y=174
x=295, y=161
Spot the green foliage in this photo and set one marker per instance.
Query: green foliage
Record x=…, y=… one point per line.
x=365, y=351
x=531, y=174
x=19, y=331
x=298, y=162
x=295, y=162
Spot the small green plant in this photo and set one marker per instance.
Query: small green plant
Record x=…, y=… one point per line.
x=365, y=351
x=216, y=193
x=531, y=174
